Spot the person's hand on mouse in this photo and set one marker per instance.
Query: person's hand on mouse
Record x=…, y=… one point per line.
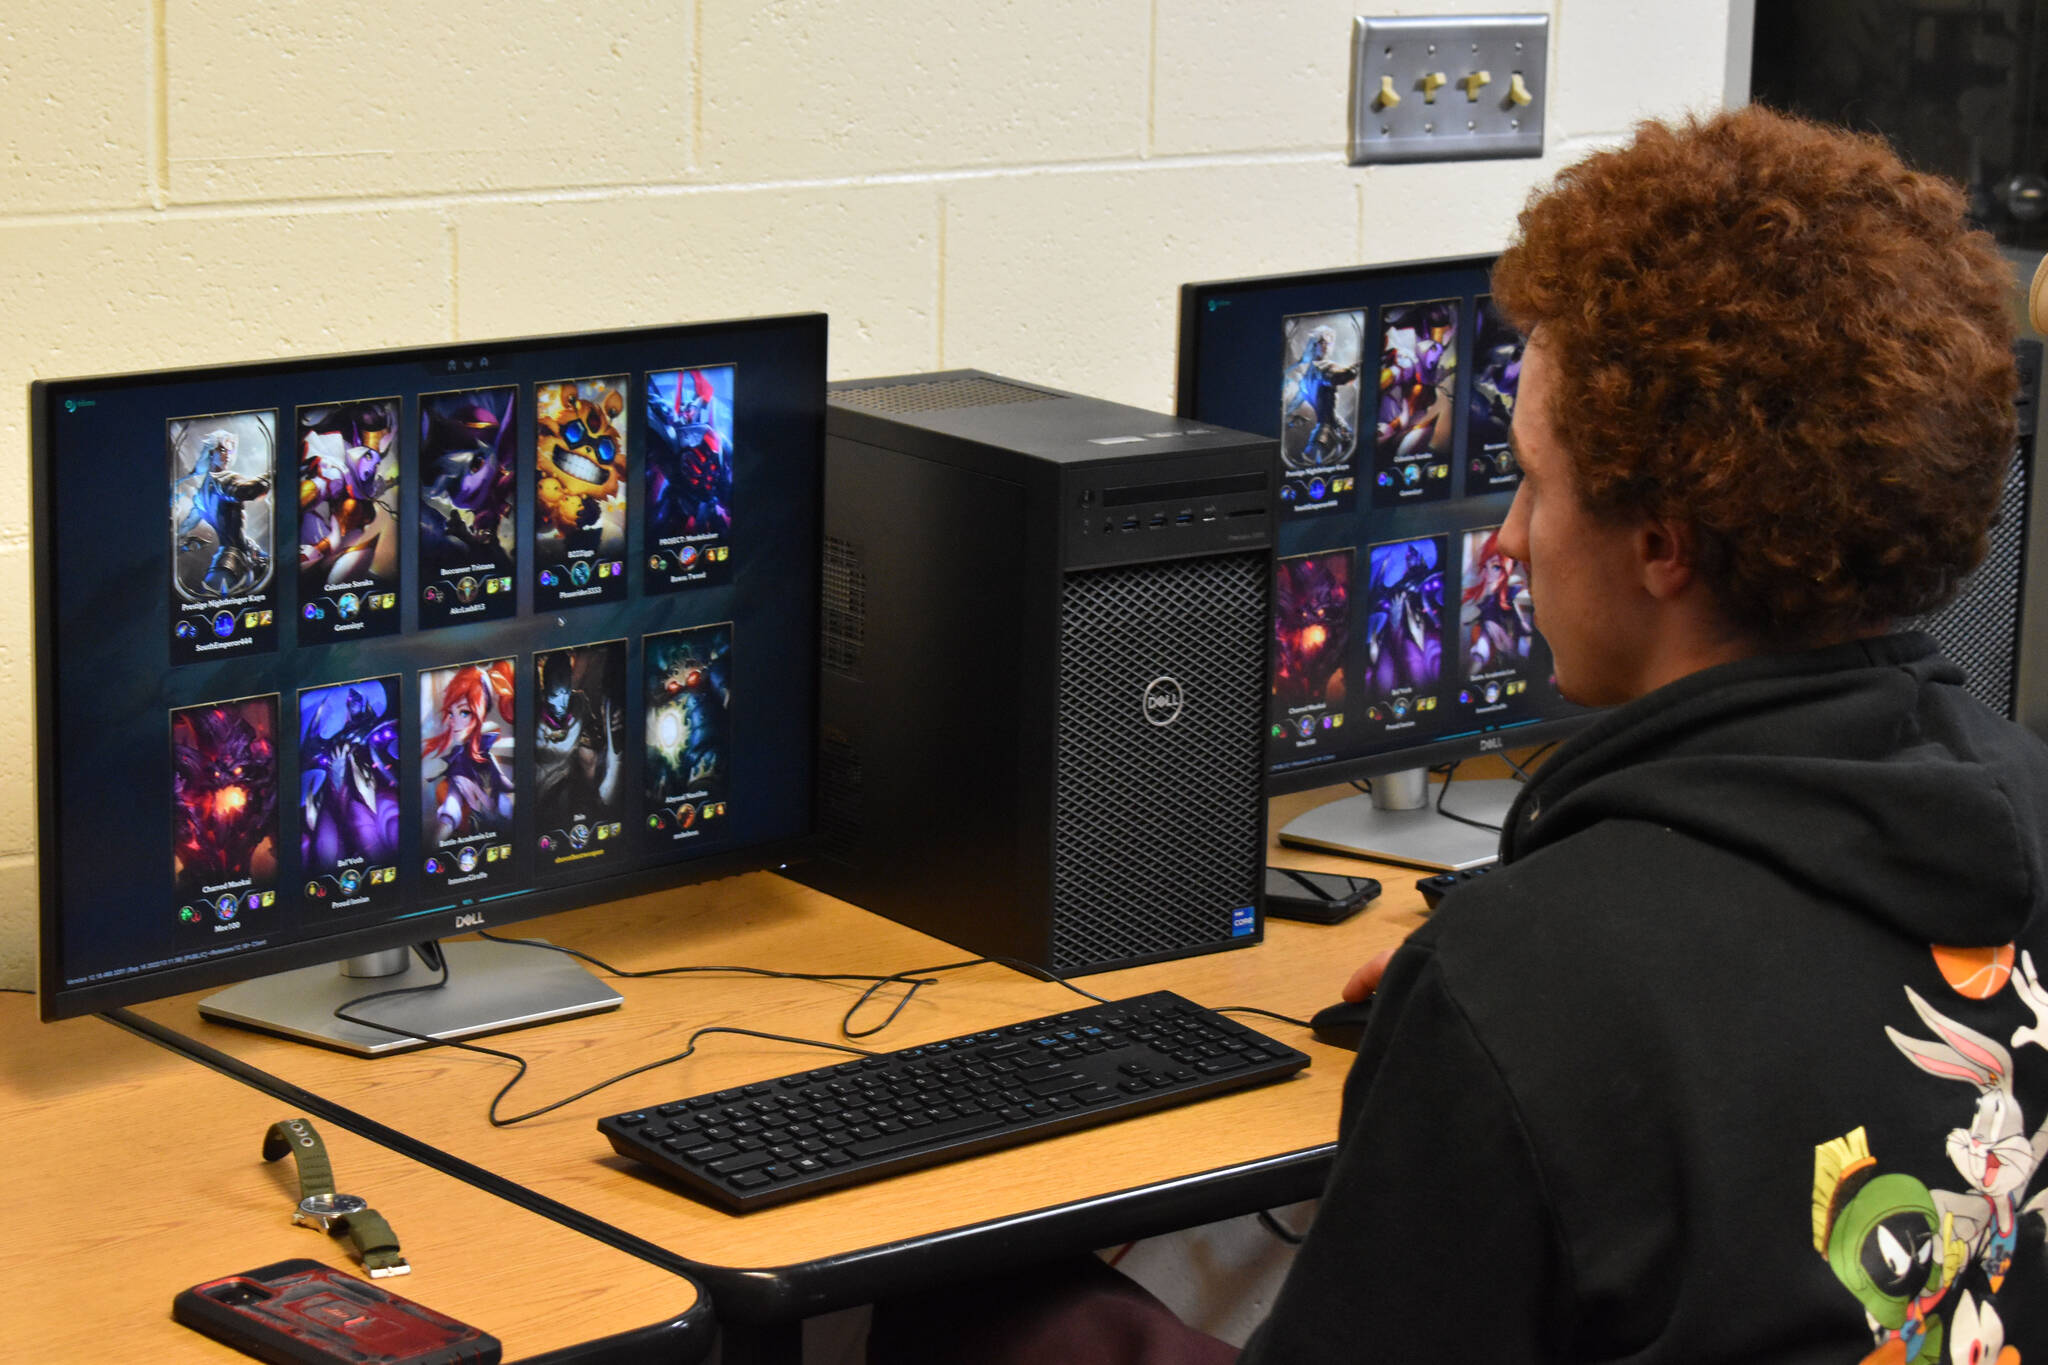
x=1366, y=979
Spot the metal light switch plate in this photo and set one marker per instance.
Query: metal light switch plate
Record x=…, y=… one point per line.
x=1448, y=89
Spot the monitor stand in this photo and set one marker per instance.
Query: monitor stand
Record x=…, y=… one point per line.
x=1399, y=823
x=491, y=987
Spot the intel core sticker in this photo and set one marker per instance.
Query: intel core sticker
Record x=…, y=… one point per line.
x=1242, y=921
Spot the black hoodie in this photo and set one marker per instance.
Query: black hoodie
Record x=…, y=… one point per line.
x=1687, y=1078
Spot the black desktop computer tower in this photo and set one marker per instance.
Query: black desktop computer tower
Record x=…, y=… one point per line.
x=1046, y=625
x=1996, y=629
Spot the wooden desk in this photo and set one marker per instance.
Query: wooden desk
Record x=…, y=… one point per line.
x=133, y=1172
x=1219, y=1158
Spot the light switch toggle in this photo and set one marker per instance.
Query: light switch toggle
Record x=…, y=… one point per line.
x=1433, y=82
x=1473, y=82
x=1518, y=93
x=1388, y=96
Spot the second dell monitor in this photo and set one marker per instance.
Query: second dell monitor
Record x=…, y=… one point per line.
x=1402, y=635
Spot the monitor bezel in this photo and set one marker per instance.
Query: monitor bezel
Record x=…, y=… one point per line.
x=57, y=1001
x=1337, y=771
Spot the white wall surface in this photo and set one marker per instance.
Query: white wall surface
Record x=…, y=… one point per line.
x=1015, y=186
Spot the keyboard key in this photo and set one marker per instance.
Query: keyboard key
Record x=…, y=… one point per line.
x=891, y=1142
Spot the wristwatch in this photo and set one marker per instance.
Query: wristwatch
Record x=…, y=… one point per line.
x=320, y=1207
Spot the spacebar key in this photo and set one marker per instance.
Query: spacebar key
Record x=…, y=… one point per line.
x=925, y=1136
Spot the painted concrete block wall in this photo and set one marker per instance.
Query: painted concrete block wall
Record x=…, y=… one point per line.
x=1016, y=186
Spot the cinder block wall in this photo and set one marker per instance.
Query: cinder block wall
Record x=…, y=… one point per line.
x=1016, y=186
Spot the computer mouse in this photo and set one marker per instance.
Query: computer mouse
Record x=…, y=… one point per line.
x=1341, y=1024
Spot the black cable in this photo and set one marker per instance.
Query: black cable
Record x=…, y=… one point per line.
x=1363, y=784
x=1449, y=770
x=921, y=976
x=1254, y=1009
x=689, y=1047
x=17, y=990
x=1014, y=964
x=914, y=980
x=1522, y=773
x=1272, y=1225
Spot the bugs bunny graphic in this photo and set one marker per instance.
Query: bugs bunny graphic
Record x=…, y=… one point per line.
x=1995, y=1154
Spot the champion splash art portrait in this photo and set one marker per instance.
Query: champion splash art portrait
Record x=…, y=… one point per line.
x=467, y=799
x=1323, y=355
x=350, y=771
x=1418, y=376
x=348, y=519
x=1404, y=627
x=579, y=744
x=223, y=471
x=579, y=492
x=468, y=505
x=689, y=477
x=689, y=701
x=1490, y=408
x=1495, y=612
x=1311, y=632
x=224, y=776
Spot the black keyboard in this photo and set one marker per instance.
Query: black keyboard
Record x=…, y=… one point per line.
x=777, y=1140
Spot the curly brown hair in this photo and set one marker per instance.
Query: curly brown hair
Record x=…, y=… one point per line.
x=1776, y=332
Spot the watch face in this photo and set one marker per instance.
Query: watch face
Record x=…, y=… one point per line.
x=332, y=1205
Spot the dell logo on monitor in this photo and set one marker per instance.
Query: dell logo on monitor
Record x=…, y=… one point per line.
x=473, y=920
x=1162, y=701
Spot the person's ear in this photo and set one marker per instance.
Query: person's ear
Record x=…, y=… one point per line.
x=1666, y=552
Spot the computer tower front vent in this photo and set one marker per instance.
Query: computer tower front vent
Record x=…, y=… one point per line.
x=841, y=796
x=938, y=395
x=842, y=622
x=1159, y=832
x=1980, y=629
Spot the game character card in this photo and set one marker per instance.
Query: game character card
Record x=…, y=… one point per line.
x=1311, y=632
x=467, y=799
x=1418, y=381
x=689, y=477
x=579, y=492
x=348, y=519
x=224, y=776
x=1322, y=357
x=689, y=737
x=223, y=472
x=1496, y=625
x=350, y=771
x=468, y=505
x=1404, y=632
x=579, y=751
x=1490, y=407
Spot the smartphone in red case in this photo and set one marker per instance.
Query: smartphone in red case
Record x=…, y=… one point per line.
x=302, y=1312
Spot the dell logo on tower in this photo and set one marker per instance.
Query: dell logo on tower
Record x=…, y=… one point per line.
x=1162, y=701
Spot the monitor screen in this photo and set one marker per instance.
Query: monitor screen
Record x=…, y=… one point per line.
x=340, y=654
x=1402, y=636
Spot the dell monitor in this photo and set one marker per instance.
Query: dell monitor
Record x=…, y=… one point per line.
x=338, y=656
x=1402, y=637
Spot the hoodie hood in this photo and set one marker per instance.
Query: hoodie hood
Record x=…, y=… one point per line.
x=1829, y=766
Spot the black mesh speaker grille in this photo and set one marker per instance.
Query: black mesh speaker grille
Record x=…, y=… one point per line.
x=937, y=395
x=1159, y=831
x=1980, y=630
x=842, y=620
x=841, y=797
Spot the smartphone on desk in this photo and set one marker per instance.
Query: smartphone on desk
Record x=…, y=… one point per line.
x=301, y=1312
x=1319, y=897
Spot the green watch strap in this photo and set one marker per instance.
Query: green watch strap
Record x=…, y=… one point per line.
x=297, y=1136
x=376, y=1244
